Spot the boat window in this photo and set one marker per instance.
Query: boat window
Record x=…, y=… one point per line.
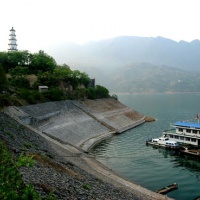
x=193, y=140
x=181, y=138
x=177, y=137
x=194, y=131
x=180, y=130
x=171, y=136
x=188, y=131
x=187, y=139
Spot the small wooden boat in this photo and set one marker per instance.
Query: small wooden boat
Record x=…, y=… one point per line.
x=189, y=151
x=168, y=188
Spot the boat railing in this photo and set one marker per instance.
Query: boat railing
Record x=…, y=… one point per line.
x=173, y=130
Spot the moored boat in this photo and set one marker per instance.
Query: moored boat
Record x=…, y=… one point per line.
x=185, y=133
x=163, y=142
x=168, y=188
x=190, y=151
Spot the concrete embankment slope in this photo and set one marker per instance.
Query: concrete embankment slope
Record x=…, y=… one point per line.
x=79, y=123
x=69, y=127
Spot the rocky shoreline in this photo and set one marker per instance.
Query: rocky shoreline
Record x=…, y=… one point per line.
x=65, y=169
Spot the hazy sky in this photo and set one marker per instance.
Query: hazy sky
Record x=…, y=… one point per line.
x=42, y=23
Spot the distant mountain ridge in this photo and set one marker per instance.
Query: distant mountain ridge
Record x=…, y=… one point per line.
x=128, y=49
x=115, y=63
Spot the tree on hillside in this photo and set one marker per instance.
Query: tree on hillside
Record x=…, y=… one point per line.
x=10, y=60
x=79, y=78
x=18, y=71
x=4, y=60
x=3, y=79
x=101, y=92
x=18, y=77
x=62, y=73
x=42, y=62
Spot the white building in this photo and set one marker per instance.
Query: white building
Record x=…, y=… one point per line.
x=12, y=45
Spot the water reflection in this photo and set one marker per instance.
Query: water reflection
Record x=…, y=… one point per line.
x=179, y=159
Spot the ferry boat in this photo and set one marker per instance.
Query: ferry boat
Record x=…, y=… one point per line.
x=163, y=142
x=184, y=133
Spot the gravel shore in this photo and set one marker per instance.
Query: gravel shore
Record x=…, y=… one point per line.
x=65, y=169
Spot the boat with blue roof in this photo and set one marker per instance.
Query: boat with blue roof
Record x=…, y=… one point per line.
x=187, y=133
x=181, y=135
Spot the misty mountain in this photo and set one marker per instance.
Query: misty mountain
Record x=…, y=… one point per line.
x=148, y=78
x=136, y=64
x=128, y=49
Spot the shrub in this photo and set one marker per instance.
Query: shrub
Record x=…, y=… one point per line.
x=32, y=96
x=3, y=79
x=20, y=82
x=101, y=92
x=91, y=94
x=54, y=94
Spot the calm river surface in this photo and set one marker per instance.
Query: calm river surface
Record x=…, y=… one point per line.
x=154, y=168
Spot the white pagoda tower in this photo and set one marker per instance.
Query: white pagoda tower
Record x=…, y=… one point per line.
x=12, y=46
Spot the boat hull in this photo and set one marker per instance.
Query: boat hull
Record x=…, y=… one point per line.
x=163, y=145
x=167, y=189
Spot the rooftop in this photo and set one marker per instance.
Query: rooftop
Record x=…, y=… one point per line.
x=188, y=124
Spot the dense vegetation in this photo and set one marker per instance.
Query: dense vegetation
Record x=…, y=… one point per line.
x=21, y=72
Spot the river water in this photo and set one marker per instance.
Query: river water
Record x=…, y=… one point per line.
x=150, y=167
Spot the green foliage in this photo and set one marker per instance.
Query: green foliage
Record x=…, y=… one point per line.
x=62, y=73
x=63, y=83
x=42, y=61
x=12, y=186
x=8, y=100
x=18, y=71
x=25, y=160
x=53, y=94
x=4, y=60
x=86, y=186
x=34, y=62
x=12, y=59
x=91, y=94
x=47, y=78
x=101, y=92
x=19, y=81
x=3, y=79
x=31, y=96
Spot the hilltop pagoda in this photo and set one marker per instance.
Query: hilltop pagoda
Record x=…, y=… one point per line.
x=12, y=46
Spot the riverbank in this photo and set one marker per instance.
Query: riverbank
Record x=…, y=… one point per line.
x=67, y=170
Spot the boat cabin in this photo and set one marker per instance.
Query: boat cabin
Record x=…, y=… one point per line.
x=185, y=132
x=161, y=140
x=172, y=144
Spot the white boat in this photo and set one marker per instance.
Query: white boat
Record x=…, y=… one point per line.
x=163, y=142
x=184, y=133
